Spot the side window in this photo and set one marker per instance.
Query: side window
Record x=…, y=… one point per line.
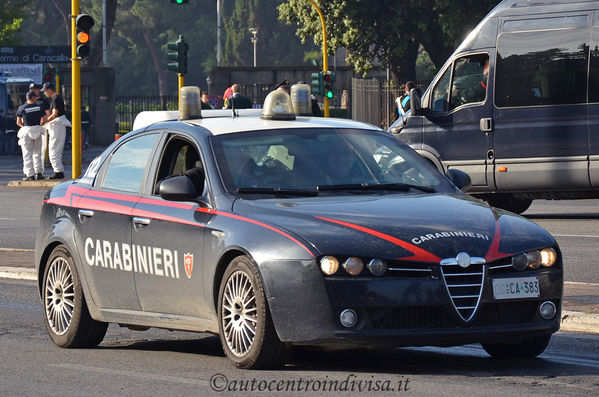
x=469, y=84
x=541, y=68
x=128, y=164
x=179, y=156
x=594, y=71
x=441, y=93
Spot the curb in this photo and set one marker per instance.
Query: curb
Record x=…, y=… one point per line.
x=580, y=322
x=18, y=273
x=42, y=183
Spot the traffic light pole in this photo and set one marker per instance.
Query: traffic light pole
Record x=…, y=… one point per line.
x=325, y=61
x=75, y=95
x=181, y=84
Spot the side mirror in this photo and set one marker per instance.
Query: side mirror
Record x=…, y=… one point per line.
x=459, y=178
x=415, y=103
x=178, y=188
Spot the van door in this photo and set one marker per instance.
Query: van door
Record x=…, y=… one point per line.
x=459, y=123
x=541, y=132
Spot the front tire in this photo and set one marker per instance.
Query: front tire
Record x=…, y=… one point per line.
x=527, y=348
x=66, y=316
x=246, y=329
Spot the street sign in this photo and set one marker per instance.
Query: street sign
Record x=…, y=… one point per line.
x=35, y=54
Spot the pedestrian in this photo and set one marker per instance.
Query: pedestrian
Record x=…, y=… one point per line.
x=238, y=101
x=86, y=123
x=56, y=126
x=226, y=96
x=205, y=98
x=45, y=104
x=402, y=103
x=31, y=117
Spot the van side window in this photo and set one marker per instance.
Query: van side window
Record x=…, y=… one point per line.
x=467, y=84
x=594, y=71
x=441, y=93
x=541, y=68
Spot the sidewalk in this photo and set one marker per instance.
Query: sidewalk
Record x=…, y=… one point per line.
x=11, y=168
x=580, y=308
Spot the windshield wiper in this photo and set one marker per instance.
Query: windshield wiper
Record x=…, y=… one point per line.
x=402, y=187
x=278, y=191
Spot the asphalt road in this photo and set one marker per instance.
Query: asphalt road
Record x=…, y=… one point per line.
x=574, y=223
x=159, y=362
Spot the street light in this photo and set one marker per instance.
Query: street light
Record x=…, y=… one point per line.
x=254, y=38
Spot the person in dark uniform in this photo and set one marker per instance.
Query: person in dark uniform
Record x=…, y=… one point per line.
x=205, y=99
x=31, y=117
x=35, y=88
x=57, y=123
x=239, y=101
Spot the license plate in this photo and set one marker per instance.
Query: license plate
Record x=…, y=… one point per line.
x=514, y=288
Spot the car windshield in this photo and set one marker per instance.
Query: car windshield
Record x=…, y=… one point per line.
x=313, y=161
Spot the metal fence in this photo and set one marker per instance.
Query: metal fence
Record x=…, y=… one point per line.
x=128, y=107
x=372, y=100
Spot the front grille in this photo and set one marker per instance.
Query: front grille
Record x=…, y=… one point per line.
x=409, y=317
x=464, y=286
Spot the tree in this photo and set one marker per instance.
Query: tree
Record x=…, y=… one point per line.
x=388, y=31
x=11, y=17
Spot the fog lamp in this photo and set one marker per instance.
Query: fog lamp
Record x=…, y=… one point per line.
x=348, y=318
x=377, y=267
x=547, y=310
x=353, y=266
x=329, y=265
x=548, y=257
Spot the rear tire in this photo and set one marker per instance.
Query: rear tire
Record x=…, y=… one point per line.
x=526, y=348
x=66, y=316
x=246, y=330
x=509, y=202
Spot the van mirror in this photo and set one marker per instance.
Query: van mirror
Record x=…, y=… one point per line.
x=459, y=178
x=415, y=105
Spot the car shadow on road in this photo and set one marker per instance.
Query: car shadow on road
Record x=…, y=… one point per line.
x=562, y=216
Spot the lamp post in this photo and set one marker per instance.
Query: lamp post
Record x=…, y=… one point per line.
x=254, y=38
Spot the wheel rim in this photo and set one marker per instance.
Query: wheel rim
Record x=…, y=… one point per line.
x=59, y=296
x=239, y=313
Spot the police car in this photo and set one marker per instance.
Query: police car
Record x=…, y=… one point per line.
x=272, y=230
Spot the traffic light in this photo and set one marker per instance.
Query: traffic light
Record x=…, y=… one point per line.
x=83, y=23
x=317, y=83
x=329, y=85
x=48, y=77
x=178, y=54
x=179, y=1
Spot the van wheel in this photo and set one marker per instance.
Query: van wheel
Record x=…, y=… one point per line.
x=526, y=348
x=67, y=318
x=509, y=202
x=246, y=329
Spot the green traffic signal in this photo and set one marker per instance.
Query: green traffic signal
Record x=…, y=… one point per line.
x=329, y=85
x=179, y=1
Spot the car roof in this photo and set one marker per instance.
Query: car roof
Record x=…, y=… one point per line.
x=222, y=122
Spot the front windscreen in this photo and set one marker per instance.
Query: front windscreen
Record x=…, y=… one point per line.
x=320, y=160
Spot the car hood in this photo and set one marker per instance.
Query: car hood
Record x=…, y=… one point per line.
x=413, y=227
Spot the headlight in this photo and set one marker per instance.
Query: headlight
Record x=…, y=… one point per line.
x=377, y=267
x=329, y=265
x=548, y=257
x=534, y=259
x=353, y=266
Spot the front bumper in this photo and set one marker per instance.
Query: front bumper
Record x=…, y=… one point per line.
x=393, y=311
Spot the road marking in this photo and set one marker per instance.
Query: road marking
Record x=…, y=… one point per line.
x=132, y=374
x=16, y=250
x=577, y=235
x=18, y=273
x=579, y=283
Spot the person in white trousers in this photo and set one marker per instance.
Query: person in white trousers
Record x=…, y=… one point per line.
x=56, y=126
x=30, y=117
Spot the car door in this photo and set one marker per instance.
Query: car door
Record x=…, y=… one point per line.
x=458, y=125
x=541, y=130
x=172, y=236
x=593, y=108
x=104, y=224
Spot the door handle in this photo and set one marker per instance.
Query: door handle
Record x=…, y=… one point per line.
x=85, y=215
x=140, y=223
x=486, y=124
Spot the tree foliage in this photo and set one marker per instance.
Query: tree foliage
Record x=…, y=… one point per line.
x=11, y=17
x=388, y=31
